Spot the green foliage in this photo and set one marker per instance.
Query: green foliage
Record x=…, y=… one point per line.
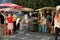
x=37, y=3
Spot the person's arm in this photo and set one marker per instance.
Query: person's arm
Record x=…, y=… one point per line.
x=0, y=19
x=55, y=24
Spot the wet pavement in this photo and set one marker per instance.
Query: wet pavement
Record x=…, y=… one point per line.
x=29, y=36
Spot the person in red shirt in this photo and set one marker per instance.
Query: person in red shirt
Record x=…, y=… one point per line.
x=10, y=24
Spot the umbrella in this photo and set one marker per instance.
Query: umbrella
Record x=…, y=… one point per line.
x=11, y=5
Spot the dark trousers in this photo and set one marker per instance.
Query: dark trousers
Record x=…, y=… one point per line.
x=14, y=26
x=57, y=30
x=35, y=27
x=18, y=26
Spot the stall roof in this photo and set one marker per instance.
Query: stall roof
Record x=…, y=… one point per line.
x=46, y=8
x=27, y=9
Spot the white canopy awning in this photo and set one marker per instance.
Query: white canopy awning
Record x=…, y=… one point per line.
x=27, y=9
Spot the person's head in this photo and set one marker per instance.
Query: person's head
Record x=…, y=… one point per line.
x=9, y=14
x=2, y=12
x=44, y=16
x=14, y=14
x=58, y=13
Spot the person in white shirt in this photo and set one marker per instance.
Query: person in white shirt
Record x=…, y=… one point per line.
x=18, y=23
x=57, y=24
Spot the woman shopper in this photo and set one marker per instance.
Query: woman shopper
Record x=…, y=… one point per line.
x=10, y=24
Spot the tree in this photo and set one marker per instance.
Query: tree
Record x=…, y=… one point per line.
x=37, y=3
x=57, y=2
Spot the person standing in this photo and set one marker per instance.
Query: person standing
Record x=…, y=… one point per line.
x=44, y=22
x=10, y=24
x=22, y=24
x=57, y=24
x=26, y=25
x=48, y=22
x=52, y=24
x=18, y=23
x=14, y=22
x=2, y=21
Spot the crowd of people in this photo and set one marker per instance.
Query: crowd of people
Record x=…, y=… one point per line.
x=10, y=23
x=53, y=24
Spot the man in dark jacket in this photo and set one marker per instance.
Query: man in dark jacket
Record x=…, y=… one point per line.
x=2, y=20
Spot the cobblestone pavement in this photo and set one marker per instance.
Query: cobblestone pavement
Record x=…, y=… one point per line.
x=29, y=36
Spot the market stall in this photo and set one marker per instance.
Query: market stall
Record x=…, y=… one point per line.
x=28, y=16
x=44, y=12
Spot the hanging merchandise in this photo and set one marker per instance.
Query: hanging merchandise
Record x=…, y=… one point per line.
x=26, y=17
x=30, y=14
